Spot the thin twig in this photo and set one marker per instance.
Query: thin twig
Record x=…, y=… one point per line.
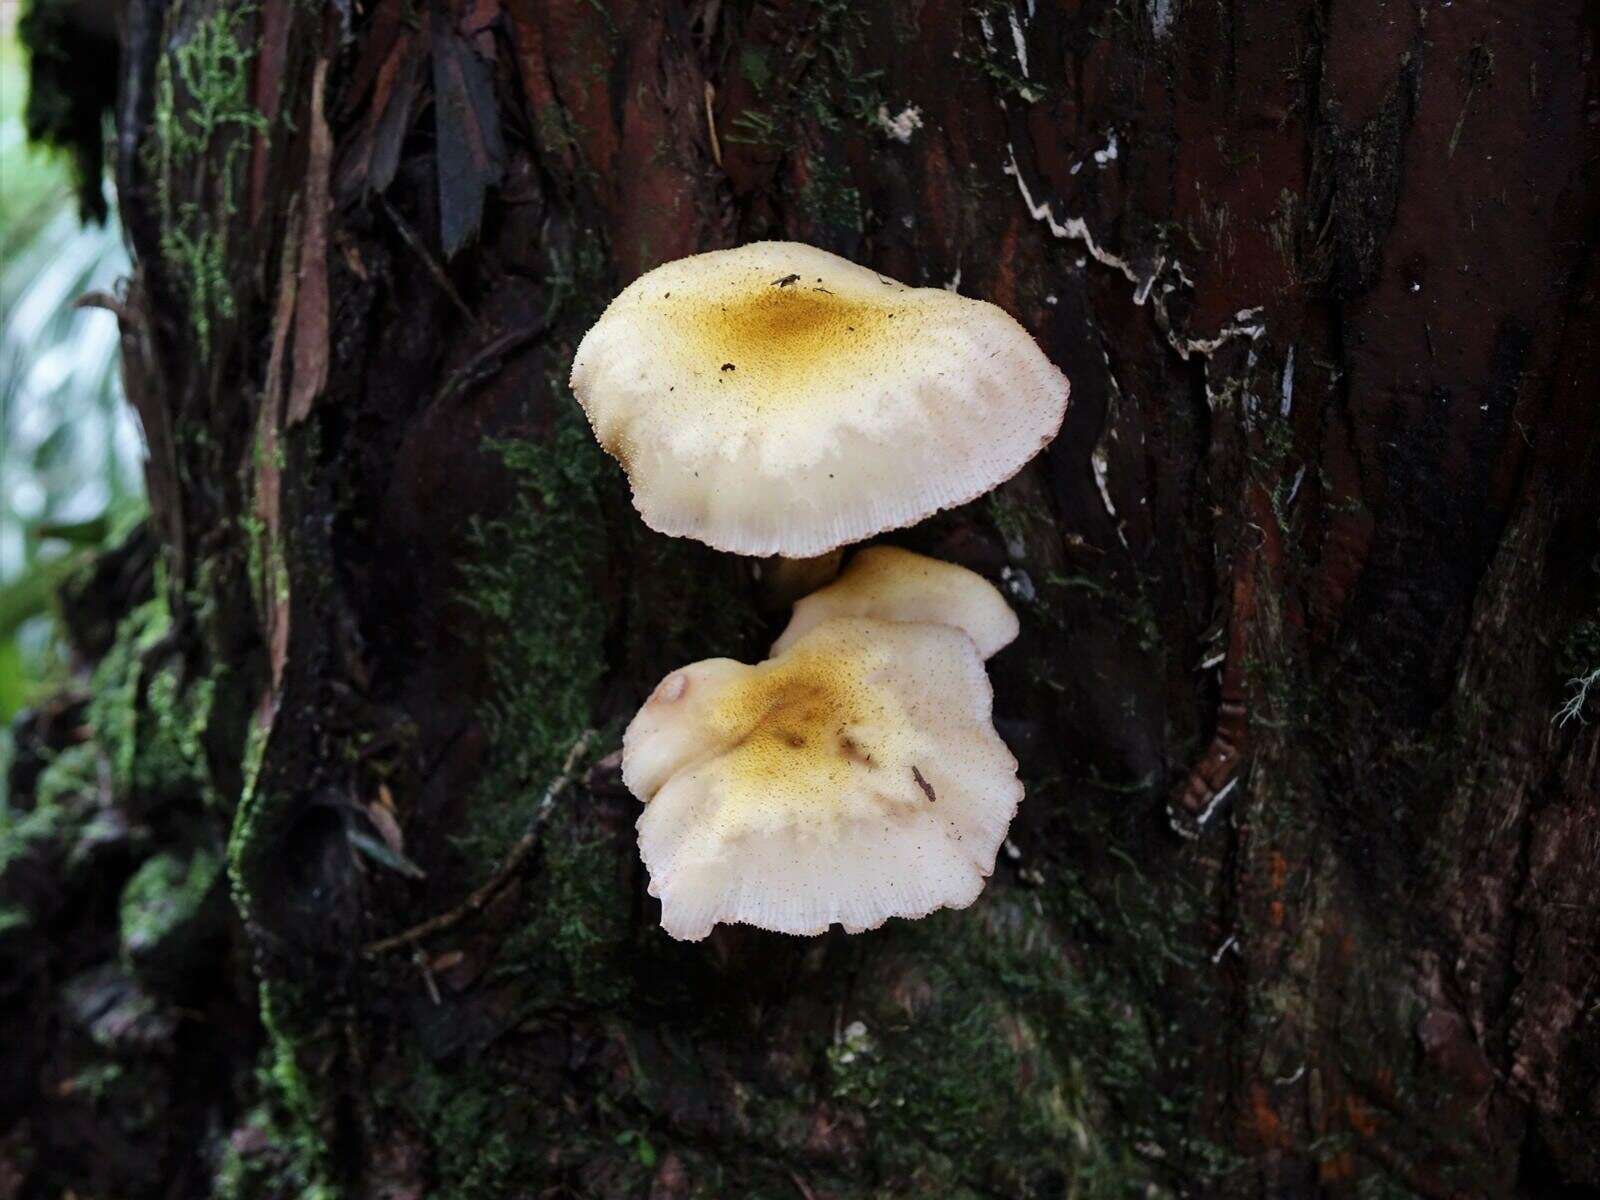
x=434, y=269
x=519, y=853
x=106, y=301
x=486, y=360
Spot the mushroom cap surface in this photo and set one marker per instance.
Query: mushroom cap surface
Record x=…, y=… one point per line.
x=778, y=399
x=891, y=584
x=854, y=778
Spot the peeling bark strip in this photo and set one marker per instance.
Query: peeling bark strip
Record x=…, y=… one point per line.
x=311, y=302
x=267, y=470
x=1323, y=275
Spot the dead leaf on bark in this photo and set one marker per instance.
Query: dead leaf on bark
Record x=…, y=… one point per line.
x=471, y=150
x=374, y=154
x=377, y=50
x=381, y=813
x=383, y=854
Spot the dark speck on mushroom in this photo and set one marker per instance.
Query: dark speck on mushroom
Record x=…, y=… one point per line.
x=727, y=366
x=785, y=281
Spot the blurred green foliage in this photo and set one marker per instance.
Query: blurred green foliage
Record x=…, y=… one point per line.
x=69, y=450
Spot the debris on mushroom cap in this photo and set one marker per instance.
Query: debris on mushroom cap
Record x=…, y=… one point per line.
x=778, y=399
x=892, y=584
x=853, y=778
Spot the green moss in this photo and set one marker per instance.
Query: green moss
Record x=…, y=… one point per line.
x=21, y=831
x=113, y=707
x=1001, y=1082
x=254, y=532
x=150, y=725
x=203, y=122
x=293, y=1107
x=828, y=201
x=164, y=896
x=1137, y=611
x=491, y=1136
x=171, y=754
x=531, y=577
x=815, y=80
x=578, y=923
x=1009, y=519
x=484, y=1131
x=63, y=802
x=271, y=1170
x=73, y=772
x=296, y=1100
x=255, y=749
x=289, y=1083
x=755, y=67
x=248, y=1176
x=986, y=1058
x=96, y=1080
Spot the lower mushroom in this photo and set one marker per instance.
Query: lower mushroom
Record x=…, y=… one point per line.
x=854, y=777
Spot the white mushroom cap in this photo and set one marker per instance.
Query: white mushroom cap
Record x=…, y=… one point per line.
x=892, y=584
x=778, y=399
x=854, y=778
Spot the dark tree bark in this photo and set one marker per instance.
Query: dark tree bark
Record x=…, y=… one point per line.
x=1305, y=895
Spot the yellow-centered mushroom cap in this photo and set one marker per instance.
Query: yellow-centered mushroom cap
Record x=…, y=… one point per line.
x=853, y=778
x=778, y=399
x=892, y=584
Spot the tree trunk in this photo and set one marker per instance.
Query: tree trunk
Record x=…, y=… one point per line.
x=1304, y=898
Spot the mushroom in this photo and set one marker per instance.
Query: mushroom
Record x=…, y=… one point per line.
x=778, y=399
x=855, y=777
x=892, y=584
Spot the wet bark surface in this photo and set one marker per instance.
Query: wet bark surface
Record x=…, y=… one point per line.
x=1303, y=897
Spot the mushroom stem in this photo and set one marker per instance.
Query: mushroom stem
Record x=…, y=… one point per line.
x=785, y=580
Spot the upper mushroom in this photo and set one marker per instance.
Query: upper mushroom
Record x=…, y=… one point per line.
x=778, y=399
